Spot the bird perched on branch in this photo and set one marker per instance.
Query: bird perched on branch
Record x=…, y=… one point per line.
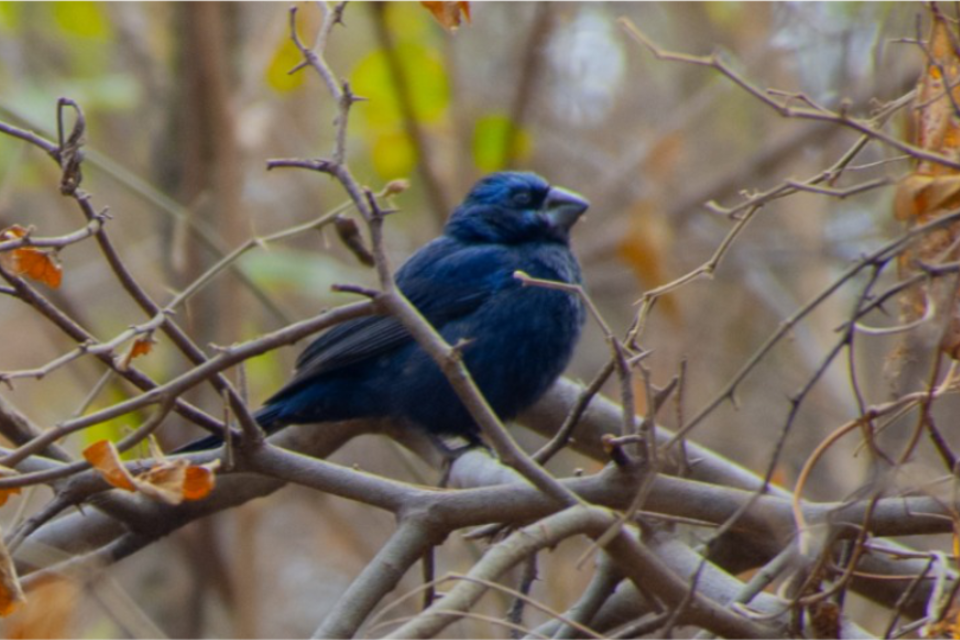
x=515, y=340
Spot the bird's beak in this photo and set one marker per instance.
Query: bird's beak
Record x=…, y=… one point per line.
x=564, y=207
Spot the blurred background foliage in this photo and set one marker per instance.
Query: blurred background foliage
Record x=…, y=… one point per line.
x=185, y=103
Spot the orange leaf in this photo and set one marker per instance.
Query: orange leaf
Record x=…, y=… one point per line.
x=29, y=261
x=173, y=481
x=141, y=347
x=926, y=197
x=13, y=232
x=164, y=481
x=198, y=483
x=933, y=190
x=11, y=595
x=105, y=458
x=938, y=128
x=6, y=493
x=6, y=472
x=449, y=14
x=38, y=265
x=646, y=247
x=170, y=481
x=49, y=611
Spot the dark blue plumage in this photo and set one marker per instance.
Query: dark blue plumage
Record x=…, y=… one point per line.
x=518, y=339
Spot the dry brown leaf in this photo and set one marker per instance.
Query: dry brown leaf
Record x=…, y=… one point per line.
x=6, y=493
x=933, y=190
x=449, y=14
x=938, y=125
x=14, y=232
x=48, y=613
x=11, y=595
x=34, y=263
x=918, y=195
x=141, y=347
x=170, y=481
x=645, y=247
x=105, y=458
x=38, y=265
x=164, y=481
x=173, y=481
x=7, y=472
x=199, y=482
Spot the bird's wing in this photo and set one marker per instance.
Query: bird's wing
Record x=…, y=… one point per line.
x=443, y=282
x=350, y=342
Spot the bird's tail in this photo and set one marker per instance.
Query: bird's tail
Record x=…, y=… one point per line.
x=268, y=417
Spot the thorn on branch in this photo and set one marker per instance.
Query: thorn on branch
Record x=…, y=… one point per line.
x=376, y=210
x=338, y=14
x=348, y=97
x=298, y=67
x=662, y=395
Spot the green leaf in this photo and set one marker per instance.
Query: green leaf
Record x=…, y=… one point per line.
x=285, y=57
x=393, y=154
x=490, y=139
x=82, y=18
x=426, y=76
x=409, y=22
x=10, y=16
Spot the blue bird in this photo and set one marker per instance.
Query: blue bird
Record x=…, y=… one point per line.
x=515, y=340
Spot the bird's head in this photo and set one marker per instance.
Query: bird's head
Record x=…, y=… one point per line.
x=512, y=207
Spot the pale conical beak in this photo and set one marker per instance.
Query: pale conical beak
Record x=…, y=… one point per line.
x=564, y=207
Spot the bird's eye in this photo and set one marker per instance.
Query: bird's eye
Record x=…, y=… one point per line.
x=522, y=198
